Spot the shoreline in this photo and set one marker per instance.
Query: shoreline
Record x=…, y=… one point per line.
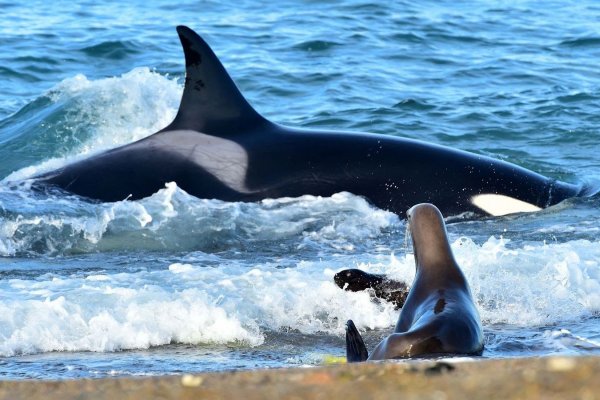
x=550, y=377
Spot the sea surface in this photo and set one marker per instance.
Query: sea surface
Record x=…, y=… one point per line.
x=172, y=283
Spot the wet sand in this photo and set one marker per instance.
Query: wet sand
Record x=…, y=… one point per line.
x=519, y=378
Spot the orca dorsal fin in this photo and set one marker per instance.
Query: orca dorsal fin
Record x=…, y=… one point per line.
x=211, y=102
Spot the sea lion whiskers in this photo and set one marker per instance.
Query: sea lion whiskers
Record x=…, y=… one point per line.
x=407, y=242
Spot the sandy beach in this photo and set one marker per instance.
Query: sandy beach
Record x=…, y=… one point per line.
x=519, y=378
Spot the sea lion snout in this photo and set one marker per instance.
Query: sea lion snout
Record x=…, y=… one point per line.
x=423, y=211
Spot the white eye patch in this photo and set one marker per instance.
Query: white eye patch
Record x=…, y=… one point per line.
x=498, y=204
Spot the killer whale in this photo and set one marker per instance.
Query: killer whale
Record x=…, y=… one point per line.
x=219, y=147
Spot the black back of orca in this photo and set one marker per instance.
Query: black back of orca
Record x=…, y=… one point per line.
x=219, y=147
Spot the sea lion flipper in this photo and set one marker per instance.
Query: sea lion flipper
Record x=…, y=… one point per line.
x=356, y=351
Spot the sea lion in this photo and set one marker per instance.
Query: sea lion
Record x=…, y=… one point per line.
x=439, y=315
x=356, y=280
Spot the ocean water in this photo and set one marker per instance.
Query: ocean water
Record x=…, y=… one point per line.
x=172, y=284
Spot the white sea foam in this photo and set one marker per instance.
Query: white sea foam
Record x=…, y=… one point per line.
x=182, y=304
x=237, y=302
x=219, y=299
x=185, y=303
x=568, y=341
x=535, y=285
x=124, y=108
x=172, y=219
x=110, y=112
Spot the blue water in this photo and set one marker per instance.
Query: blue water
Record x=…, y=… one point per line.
x=173, y=284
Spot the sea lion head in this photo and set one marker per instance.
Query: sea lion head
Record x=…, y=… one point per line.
x=355, y=280
x=428, y=232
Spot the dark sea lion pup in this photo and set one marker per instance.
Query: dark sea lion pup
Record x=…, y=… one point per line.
x=439, y=315
x=355, y=280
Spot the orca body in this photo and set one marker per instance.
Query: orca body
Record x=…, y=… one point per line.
x=219, y=147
